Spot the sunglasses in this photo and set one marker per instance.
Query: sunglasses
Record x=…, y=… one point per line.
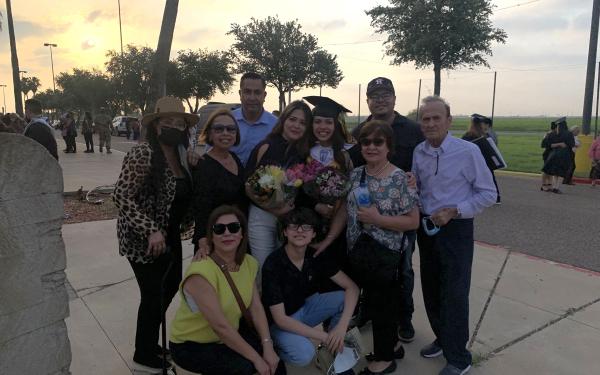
x=304, y=227
x=366, y=142
x=222, y=128
x=231, y=227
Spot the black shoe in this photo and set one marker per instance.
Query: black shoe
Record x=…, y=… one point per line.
x=391, y=368
x=150, y=363
x=398, y=354
x=406, y=332
x=432, y=350
x=87, y=151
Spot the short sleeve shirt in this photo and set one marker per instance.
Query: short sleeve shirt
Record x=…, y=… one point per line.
x=283, y=282
x=392, y=196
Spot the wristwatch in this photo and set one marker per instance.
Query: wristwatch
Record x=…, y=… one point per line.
x=458, y=213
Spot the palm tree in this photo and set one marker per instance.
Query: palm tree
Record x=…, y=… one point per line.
x=161, y=57
x=14, y=60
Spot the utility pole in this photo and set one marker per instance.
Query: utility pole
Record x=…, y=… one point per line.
x=494, y=96
x=22, y=73
x=14, y=60
x=418, y=101
x=591, y=70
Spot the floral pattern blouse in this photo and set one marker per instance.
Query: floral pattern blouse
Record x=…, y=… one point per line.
x=392, y=197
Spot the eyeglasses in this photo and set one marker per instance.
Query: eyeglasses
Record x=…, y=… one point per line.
x=231, y=227
x=366, y=142
x=304, y=227
x=218, y=128
x=386, y=96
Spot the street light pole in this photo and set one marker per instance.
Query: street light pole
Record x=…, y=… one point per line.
x=3, y=99
x=52, y=62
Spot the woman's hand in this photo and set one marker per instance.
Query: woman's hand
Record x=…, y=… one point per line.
x=262, y=367
x=203, y=250
x=368, y=215
x=335, y=339
x=156, y=244
x=322, y=246
x=325, y=210
x=270, y=357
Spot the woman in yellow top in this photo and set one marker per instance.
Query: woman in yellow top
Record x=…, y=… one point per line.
x=207, y=336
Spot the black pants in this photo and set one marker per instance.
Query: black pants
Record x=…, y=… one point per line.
x=446, y=260
x=218, y=359
x=569, y=177
x=407, y=282
x=71, y=145
x=496, y=184
x=89, y=141
x=374, y=270
x=149, y=277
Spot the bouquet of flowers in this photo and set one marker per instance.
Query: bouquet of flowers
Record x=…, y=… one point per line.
x=328, y=185
x=271, y=187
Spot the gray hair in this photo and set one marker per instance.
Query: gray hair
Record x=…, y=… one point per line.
x=434, y=99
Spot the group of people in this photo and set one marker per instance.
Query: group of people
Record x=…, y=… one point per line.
x=560, y=145
x=265, y=278
x=101, y=124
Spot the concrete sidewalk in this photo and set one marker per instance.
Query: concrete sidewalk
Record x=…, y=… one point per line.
x=528, y=316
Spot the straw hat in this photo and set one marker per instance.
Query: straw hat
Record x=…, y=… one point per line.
x=169, y=106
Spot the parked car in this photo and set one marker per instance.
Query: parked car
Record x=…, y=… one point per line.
x=120, y=125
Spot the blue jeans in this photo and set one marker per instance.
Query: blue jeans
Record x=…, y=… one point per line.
x=299, y=350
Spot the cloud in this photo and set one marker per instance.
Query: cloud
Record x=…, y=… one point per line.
x=24, y=29
x=331, y=25
x=93, y=16
x=87, y=44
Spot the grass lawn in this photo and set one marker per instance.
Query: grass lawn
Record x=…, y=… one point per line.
x=523, y=124
x=522, y=152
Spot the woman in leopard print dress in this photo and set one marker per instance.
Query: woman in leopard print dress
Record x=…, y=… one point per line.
x=153, y=194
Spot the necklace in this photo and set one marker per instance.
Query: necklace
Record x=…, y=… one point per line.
x=378, y=171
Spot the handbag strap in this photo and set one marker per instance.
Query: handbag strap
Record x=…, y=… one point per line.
x=223, y=266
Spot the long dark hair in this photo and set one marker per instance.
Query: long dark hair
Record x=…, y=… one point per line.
x=229, y=210
x=338, y=139
x=287, y=112
x=158, y=163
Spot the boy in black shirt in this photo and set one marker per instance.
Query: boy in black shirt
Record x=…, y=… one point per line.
x=292, y=279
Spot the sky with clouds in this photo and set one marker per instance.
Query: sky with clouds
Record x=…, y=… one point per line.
x=541, y=68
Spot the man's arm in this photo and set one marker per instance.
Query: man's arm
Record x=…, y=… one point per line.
x=484, y=190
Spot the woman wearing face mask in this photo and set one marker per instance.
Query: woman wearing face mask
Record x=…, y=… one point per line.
x=153, y=193
x=280, y=149
x=218, y=176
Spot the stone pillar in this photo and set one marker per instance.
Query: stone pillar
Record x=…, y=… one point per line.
x=33, y=296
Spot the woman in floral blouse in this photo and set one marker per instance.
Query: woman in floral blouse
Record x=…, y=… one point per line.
x=153, y=194
x=376, y=239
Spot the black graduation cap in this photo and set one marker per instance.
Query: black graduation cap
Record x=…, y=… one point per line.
x=481, y=119
x=560, y=120
x=326, y=107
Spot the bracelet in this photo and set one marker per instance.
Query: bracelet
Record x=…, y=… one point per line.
x=267, y=340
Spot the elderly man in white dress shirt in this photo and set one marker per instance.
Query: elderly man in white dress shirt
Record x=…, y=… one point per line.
x=454, y=185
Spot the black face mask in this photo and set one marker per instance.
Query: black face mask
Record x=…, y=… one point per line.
x=170, y=136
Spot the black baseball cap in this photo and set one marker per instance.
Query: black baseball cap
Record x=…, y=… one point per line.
x=380, y=83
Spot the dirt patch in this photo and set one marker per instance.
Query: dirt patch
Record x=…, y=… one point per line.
x=78, y=211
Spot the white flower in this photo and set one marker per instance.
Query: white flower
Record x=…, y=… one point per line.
x=266, y=181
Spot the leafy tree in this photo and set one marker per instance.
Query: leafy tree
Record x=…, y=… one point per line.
x=444, y=33
x=86, y=90
x=280, y=52
x=324, y=71
x=197, y=75
x=30, y=84
x=130, y=74
x=54, y=100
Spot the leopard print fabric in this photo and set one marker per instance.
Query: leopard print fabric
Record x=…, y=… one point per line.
x=142, y=211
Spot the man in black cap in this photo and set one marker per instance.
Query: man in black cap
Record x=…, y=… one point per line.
x=381, y=99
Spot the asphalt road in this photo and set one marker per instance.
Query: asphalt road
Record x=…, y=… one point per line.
x=563, y=228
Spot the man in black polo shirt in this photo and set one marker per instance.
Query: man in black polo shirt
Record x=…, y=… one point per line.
x=381, y=99
x=292, y=284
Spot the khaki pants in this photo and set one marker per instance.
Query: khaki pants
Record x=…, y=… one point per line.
x=104, y=135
